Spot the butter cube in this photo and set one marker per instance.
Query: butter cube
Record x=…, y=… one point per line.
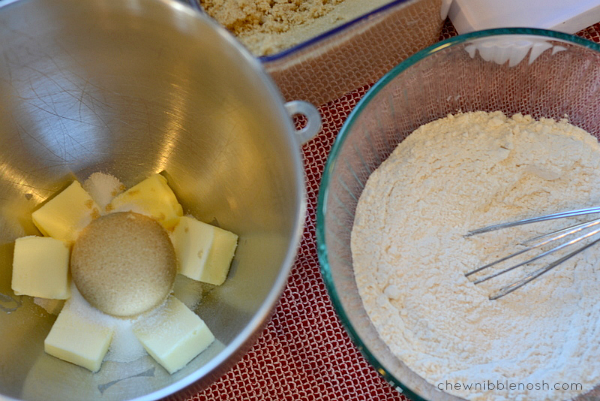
x=173, y=335
x=204, y=252
x=152, y=197
x=76, y=339
x=41, y=268
x=65, y=215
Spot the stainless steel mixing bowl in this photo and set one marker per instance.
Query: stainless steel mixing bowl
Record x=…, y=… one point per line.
x=132, y=88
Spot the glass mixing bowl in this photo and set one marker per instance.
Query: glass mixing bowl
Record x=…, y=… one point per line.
x=529, y=71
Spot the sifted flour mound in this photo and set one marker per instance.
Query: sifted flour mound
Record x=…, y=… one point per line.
x=410, y=255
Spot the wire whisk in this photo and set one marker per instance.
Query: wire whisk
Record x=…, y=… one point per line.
x=572, y=235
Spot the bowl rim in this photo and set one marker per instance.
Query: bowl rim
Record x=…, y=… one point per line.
x=327, y=177
x=316, y=40
x=246, y=338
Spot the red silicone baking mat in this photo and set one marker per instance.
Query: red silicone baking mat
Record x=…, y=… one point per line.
x=304, y=352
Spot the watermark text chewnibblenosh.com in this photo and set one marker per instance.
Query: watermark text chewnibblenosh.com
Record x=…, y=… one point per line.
x=498, y=385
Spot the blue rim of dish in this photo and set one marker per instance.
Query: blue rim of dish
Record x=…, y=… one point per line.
x=338, y=144
x=330, y=33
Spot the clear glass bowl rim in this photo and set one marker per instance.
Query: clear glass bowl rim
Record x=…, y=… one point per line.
x=328, y=34
x=339, y=143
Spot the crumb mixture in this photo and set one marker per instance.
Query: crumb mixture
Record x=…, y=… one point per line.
x=410, y=257
x=269, y=26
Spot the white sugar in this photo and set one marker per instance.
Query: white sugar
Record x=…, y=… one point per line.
x=103, y=188
x=125, y=347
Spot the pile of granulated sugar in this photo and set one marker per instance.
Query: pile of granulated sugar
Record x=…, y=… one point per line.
x=410, y=256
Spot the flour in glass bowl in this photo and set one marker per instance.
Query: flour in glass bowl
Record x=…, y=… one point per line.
x=410, y=257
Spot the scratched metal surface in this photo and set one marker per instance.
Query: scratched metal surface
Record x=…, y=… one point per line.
x=133, y=89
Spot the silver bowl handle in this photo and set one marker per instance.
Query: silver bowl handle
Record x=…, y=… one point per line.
x=313, y=125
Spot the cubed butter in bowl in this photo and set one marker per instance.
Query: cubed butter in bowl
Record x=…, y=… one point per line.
x=65, y=215
x=173, y=335
x=204, y=251
x=41, y=268
x=76, y=339
x=152, y=197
